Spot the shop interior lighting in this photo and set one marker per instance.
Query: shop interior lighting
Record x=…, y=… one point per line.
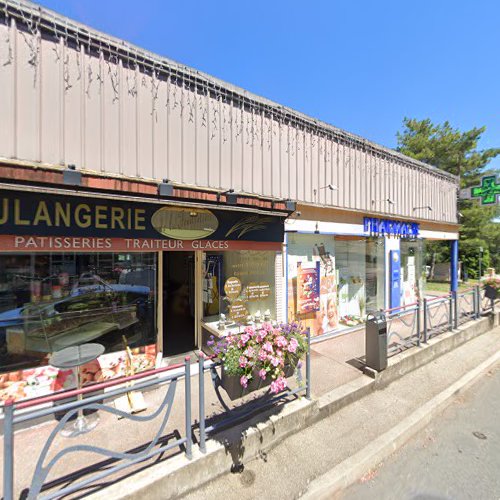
x=165, y=188
x=428, y=207
x=72, y=177
x=387, y=200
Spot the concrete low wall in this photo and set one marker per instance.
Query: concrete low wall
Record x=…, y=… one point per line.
x=242, y=443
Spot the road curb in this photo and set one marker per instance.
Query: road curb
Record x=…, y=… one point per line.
x=350, y=470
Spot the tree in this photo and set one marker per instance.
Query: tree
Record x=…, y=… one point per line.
x=456, y=152
x=446, y=148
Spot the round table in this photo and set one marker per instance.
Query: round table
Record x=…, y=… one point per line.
x=73, y=358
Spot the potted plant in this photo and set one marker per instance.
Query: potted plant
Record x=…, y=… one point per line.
x=491, y=286
x=259, y=357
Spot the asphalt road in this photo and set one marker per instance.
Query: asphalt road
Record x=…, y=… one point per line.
x=456, y=457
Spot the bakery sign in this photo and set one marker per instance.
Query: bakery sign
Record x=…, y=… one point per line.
x=42, y=221
x=386, y=227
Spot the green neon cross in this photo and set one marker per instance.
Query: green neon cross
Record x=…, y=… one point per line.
x=487, y=191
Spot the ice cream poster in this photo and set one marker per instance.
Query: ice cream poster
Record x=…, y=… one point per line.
x=308, y=288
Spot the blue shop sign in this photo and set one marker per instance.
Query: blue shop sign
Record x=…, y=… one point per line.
x=386, y=227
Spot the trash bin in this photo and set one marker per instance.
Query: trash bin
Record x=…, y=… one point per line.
x=376, y=341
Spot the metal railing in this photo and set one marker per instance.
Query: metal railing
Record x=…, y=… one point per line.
x=403, y=327
x=437, y=315
x=411, y=324
x=32, y=410
x=466, y=307
x=95, y=402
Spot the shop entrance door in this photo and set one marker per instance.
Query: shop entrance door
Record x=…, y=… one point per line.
x=178, y=303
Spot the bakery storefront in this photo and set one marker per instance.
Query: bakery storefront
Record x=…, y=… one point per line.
x=151, y=276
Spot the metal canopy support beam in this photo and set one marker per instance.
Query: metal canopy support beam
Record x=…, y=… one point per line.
x=454, y=265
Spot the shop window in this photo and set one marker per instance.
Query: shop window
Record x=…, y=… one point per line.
x=333, y=281
x=52, y=301
x=412, y=271
x=238, y=289
x=313, y=282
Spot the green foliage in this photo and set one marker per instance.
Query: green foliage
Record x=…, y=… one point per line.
x=446, y=148
x=456, y=152
x=231, y=361
x=469, y=255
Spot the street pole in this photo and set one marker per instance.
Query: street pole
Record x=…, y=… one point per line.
x=480, y=262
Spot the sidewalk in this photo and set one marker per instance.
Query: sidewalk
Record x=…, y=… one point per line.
x=336, y=369
x=332, y=366
x=288, y=469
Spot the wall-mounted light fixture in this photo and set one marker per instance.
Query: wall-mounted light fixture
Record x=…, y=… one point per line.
x=72, y=177
x=290, y=205
x=331, y=187
x=165, y=188
x=425, y=207
x=231, y=196
x=293, y=217
x=386, y=200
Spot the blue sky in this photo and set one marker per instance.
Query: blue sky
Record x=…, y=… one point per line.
x=359, y=65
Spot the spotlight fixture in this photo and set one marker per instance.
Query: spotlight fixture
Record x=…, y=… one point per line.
x=165, y=188
x=331, y=187
x=231, y=196
x=387, y=200
x=428, y=207
x=71, y=177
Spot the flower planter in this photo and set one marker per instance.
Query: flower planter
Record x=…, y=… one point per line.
x=490, y=292
x=231, y=383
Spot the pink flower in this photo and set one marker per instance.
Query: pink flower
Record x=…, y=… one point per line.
x=243, y=361
x=278, y=385
x=267, y=326
x=267, y=346
x=243, y=340
x=260, y=336
x=244, y=381
x=292, y=346
x=249, y=352
x=281, y=341
x=262, y=355
x=274, y=361
x=262, y=374
x=250, y=331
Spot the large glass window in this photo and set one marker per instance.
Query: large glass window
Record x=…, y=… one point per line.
x=238, y=288
x=412, y=271
x=52, y=301
x=333, y=281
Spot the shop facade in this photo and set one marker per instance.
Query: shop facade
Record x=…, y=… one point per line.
x=147, y=201
x=151, y=276
x=339, y=272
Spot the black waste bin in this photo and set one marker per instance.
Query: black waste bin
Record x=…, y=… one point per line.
x=376, y=341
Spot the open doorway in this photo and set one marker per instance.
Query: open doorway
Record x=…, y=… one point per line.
x=178, y=303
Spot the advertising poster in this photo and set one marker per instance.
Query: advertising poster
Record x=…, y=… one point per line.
x=329, y=308
x=308, y=279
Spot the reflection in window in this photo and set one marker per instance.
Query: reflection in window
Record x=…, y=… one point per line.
x=52, y=301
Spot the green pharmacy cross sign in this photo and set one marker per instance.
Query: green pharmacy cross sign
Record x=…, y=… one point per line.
x=487, y=191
